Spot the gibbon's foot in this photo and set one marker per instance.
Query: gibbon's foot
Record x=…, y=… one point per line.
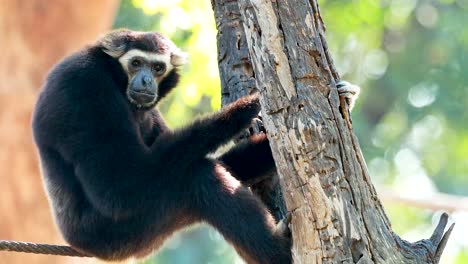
x=256, y=126
x=349, y=91
x=282, y=228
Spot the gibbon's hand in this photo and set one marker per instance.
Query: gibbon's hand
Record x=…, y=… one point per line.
x=349, y=91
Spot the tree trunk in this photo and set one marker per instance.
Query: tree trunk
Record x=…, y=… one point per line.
x=237, y=80
x=34, y=35
x=336, y=214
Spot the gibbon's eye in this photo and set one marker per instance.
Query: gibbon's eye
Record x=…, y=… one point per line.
x=136, y=62
x=159, y=68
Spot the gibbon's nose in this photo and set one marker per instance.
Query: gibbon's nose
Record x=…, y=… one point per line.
x=146, y=81
x=143, y=89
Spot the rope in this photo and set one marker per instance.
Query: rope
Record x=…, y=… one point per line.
x=26, y=247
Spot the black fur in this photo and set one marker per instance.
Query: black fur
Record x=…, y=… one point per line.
x=145, y=41
x=167, y=84
x=120, y=181
x=249, y=158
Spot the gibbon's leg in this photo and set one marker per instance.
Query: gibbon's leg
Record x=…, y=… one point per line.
x=240, y=217
x=250, y=159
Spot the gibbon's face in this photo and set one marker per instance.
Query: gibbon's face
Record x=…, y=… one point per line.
x=145, y=71
x=147, y=58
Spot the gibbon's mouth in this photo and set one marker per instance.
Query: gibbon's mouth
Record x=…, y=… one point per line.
x=142, y=97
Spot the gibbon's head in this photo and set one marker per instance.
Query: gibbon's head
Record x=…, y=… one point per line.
x=150, y=61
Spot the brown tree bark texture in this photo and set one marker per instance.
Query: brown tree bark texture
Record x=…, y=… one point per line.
x=237, y=80
x=34, y=35
x=336, y=214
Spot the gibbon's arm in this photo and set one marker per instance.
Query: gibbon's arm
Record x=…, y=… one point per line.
x=206, y=134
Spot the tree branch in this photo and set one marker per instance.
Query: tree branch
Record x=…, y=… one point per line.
x=435, y=202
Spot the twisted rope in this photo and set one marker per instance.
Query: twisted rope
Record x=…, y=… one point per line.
x=26, y=247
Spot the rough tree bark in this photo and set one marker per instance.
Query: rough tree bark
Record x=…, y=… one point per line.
x=237, y=80
x=278, y=48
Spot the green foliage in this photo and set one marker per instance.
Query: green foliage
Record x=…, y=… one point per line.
x=462, y=258
x=410, y=58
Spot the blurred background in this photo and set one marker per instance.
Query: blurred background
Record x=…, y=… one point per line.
x=409, y=56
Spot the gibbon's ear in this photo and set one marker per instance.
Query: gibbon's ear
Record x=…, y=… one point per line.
x=115, y=43
x=178, y=58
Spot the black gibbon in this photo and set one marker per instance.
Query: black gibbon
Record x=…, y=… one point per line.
x=120, y=182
